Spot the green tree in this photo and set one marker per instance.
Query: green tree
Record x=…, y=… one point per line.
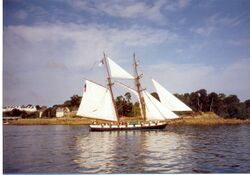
x=16, y=112
x=124, y=106
x=231, y=104
x=136, y=109
x=30, y=115
x=194, y=102
x=38, y=107
x=128, y=97
x=128, y=106
x=75, y=100
x=50, y=112
x=202, y=99
x=246, y=109
x=247, y=103
x=212, y=100
x=120, y=102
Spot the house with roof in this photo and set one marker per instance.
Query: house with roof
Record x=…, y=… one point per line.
x=62, y=111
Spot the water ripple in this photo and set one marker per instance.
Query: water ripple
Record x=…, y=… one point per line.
x=73, y=149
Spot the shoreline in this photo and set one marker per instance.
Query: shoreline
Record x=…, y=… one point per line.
x=51, y=121
x=201, y=119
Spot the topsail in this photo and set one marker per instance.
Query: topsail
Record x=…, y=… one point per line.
x=117, y=71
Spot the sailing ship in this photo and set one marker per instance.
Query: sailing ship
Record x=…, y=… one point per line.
x=98, y=101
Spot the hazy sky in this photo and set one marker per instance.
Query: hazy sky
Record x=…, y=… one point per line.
x=51, y=45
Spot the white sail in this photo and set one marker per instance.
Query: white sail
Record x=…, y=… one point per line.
x=117, y=71
x=169, y=100
x=97, y=103
x=155, y=110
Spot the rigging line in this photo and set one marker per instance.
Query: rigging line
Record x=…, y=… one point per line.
x=118, y=82
x=127, y=87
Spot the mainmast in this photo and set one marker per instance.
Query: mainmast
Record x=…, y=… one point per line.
x=138, y=89
x=110, y=85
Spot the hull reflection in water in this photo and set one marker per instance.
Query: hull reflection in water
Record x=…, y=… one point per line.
x=130, y=152
x=109, y=152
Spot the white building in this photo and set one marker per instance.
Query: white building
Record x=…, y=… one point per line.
x=61, y=111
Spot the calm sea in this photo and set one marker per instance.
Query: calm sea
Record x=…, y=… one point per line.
x=73, y=149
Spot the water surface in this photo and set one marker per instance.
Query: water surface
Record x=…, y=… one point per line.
x=73, y=149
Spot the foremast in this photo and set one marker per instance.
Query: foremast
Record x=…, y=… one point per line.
x=139, y=89
x=110, y=84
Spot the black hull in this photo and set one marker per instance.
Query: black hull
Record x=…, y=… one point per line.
x=130, y=128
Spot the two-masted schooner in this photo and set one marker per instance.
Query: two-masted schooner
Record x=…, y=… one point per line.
x=98, y=102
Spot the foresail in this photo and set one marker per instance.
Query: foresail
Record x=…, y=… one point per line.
x=97, y=103
x=169, y=100
x=155, y=110
x=117, y=71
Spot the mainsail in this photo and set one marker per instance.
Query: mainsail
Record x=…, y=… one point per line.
x=117, y=71
x=169, y=100
x=155, y=110
x=97, y=103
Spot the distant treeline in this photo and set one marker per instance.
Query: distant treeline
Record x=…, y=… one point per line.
x=200, y=101
x=225, y=106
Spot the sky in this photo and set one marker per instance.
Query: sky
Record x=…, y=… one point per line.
x=51, y=46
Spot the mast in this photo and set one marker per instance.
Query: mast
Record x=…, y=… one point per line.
x=110, y=85
x=138, y=89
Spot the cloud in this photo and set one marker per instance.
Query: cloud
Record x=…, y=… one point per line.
x=218, y=21
x=51, y=59
x=83, y=10
x=78, y=39
x=229, y=21
x=181, y=78
x=124, y=9
x=236, y=76
x=178, y=4
x=47, y=63
x=204, y=31
x=239, y=42
x=56, y=65
x=183, y=3
x=21, y=14
x=152, y=11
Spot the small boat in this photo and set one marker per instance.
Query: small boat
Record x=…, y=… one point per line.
x=98, y=102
